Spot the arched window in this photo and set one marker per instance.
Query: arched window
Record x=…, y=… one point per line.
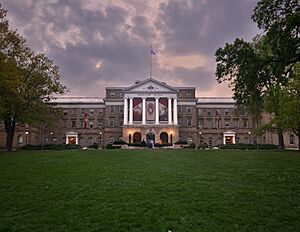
x=20, y=139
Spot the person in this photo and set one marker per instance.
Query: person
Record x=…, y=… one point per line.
x=143, y=143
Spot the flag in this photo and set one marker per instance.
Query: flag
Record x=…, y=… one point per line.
x=152, y=51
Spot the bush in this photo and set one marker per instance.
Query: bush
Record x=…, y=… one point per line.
x=267, y=146
x=242, y=146
x=183, y=142
x=109, y=146
x=120, y=142
x=94, y=145
x=203, y=146
x=163, y=144
x=135, y=144
x=51, y=147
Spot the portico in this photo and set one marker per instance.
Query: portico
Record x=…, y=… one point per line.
x=150, y=105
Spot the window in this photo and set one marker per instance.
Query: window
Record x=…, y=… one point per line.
x=179, y=121
x=20, y=139
x=121, y=94
x=209, y=123
x=73, y=124
x=189, y=110
x=91, y=112
x=179, y=109
x=111, y=140
x=217, y=122
x=189, y=140
x=254, y=124
x=292, y=139
x=121, y=122
x=227, y=123
x=237, y=139
x=247, y=141
x=111, y=122
x=64, y=124
x=201, y=123
x=218, y=112
x=100, y=112
x=81, y=124
x=121, y=110
x=236, y=113
x=189, y=122
x=112, y=109
x=245, y=124
x=54, y=140
x=90, y=140
x=74, y=111
x=236, y=124
x=112, y=94
x=226, y=112
x=91, y=125
x=208, y=112
x=82, y=112
x=65, y=111
x=100, y=123
x=200, y=112
x=245, y=113
x=188, y=94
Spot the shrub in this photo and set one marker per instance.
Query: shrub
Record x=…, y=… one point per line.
x=203, y=146
x=109, y=146
x=242, y=146
x=94, y=145
x=119, y=142
x=51, y=147
x=134, y=144
x=183, y=142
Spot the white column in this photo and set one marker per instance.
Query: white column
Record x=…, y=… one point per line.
x=175, y=112
x=130, y=111
x=169, y=111
x=157, y=111
x=125, y=111
x=144, y=111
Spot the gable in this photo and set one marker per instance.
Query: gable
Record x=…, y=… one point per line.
x=150, y=85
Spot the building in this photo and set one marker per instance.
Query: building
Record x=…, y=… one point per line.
x=149, y=108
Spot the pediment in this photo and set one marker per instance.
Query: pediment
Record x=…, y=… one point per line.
x=150, y=85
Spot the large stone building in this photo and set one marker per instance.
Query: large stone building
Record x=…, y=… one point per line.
x=149, y=107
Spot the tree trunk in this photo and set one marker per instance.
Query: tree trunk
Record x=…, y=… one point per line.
x=10, y=133
x=280, y=139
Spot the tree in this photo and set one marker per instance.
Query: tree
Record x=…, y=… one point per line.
x=28, y=81
x=258, y=70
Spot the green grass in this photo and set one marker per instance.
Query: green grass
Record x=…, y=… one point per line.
x=125, y=190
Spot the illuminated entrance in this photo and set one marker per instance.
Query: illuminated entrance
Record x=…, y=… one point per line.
x=229, y=137
x=71, y=137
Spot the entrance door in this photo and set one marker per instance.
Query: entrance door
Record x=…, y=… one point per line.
x=229, y=139
x=72, y=140
x=164, y=137
x=137, y=137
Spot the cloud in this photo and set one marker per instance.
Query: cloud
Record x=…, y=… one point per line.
x=100, y=43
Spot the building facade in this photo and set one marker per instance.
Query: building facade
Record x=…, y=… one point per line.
x=149, y=109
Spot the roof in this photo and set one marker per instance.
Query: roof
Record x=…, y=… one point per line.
x=82, y=100
x=207, y=100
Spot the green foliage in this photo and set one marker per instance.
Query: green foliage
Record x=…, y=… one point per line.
x=181, y=142
x=94, y=145
x=50, y=147
x=120, y=142
x=28, y=82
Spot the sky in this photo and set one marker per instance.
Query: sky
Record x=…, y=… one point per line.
x=106, y=43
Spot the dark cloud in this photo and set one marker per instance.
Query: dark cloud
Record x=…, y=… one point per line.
x=108, y=44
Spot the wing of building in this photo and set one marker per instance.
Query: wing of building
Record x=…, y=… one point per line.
x=149, y=109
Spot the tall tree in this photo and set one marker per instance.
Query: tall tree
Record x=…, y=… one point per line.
x=28, y=81
x=257, y=70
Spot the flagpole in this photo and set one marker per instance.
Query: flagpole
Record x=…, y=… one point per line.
x=150, y=62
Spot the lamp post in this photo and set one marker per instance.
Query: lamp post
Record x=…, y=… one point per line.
x=200, y=137
x=100, y=134
x=249, y=133
x=171, y=137
x=26, y=137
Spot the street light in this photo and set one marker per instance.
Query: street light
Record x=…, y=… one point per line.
x=26, y=133
x=200, y=137
x=249, y=133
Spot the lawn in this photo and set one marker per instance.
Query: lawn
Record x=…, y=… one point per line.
x=161, y=190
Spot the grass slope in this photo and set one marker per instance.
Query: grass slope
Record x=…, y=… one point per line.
x=161, y=190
